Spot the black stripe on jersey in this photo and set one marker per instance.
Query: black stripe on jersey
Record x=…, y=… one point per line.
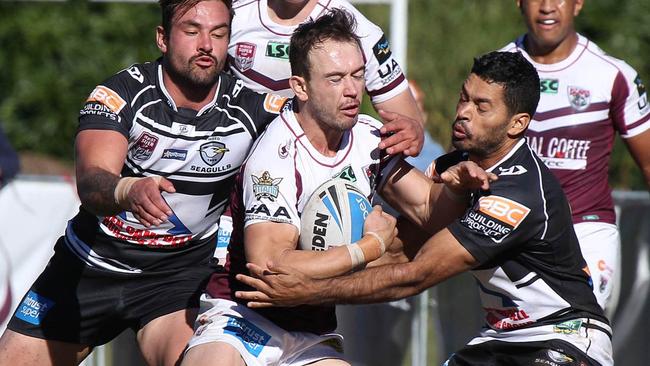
x=221, y=188
x=139, y=170
x=236, y=112
x=535, y=278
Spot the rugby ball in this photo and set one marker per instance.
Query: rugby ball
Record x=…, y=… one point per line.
x=333, y=216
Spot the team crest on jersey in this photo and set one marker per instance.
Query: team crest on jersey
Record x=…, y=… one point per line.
x=212, y=152
x=578, y=97
x=266, y=186
x=244, y=55
x=144, y=146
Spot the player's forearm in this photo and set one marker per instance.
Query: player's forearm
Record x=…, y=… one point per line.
x=96, y=189
x=373, y=285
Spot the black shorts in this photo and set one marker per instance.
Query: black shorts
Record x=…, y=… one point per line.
x=75, y=303
x=540, y=353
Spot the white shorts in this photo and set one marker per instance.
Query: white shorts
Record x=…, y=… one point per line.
x=600, y=245
x=591, y=337
x=258, y=340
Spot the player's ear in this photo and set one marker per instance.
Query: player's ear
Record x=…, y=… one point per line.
x=577, y=6
x=299, y=86
x=518, y=124
x=161, y=39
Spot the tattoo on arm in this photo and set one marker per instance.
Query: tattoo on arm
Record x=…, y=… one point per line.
x=96, y=189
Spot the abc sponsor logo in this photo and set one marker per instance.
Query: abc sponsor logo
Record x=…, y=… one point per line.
x=107, y=97
x=503, y=209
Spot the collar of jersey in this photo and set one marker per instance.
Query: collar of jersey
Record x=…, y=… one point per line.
x=580, y=48
x=171, y=102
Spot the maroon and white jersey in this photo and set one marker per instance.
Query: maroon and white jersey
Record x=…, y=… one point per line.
x=585, y=100
x=276, y=181
x=259, y=50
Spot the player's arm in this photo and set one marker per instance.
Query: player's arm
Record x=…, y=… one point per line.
x=99, y=157
x=639, y=147
x=427, y=204
x=277, y=242
x=403, y=124
x=441, y=257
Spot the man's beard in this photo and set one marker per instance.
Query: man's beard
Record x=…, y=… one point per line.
x=192, y=76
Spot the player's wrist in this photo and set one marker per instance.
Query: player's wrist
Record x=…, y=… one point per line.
x=122, y=189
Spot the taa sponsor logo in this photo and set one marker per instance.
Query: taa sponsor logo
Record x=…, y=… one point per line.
x=266, y=186
x=107, y=97
x=34, y=308
x=549, y=86
x=253, y=338
x=244, y=55
x=174, y=154
x=262, y=212
x=503, y=209
x=381, y=49
x=277, y=50
x=144, y=146
x=578, y=98
x=212, y=152
x=273, y=103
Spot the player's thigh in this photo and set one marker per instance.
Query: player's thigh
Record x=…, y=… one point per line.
x=330, y=362
x=163, y=340
x=213, y=354
x=20, y=350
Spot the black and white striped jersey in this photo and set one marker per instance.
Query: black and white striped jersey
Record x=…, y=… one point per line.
x=531, y=271
x=199, y=152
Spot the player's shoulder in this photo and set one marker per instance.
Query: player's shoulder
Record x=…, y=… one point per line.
x=513, y=46
x=239, y=5
x=604, y=60
x=521, y=177
x=134, y=77
x=367, y=125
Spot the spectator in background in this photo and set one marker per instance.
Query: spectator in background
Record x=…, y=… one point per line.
x=587, y=97
x=9, y=164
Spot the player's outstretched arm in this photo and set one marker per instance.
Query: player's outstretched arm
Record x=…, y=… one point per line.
x=277, y=243
x=99, y=157
x=441, y=257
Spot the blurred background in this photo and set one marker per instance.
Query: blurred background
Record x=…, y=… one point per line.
x=53, y=53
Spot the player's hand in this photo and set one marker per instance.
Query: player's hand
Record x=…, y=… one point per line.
x=277, y=286
x=465, y=176
x=404, y=135
x=142, y=196
x=382, y=224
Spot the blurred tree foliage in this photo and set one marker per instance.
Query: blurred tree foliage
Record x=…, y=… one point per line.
x=53, y=54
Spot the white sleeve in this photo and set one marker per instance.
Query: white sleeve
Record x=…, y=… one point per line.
x=269, y=188
x=630, y=109
x=384, y=76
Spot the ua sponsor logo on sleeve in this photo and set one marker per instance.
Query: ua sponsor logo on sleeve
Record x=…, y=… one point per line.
x=643, y=96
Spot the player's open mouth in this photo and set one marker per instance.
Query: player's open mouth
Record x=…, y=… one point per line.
x=350, y=110
x=547, y=23
x=459, y=131
x=204, y=61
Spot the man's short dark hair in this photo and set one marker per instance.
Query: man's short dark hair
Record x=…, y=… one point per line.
x=337, y=24
x=178, y=8
x=518, y=77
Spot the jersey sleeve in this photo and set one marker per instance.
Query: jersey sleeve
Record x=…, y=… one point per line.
x=269, y=189
x=261, y=108
x=498, y=222
x=107, y=107
x=384, y=76
x=630, y=110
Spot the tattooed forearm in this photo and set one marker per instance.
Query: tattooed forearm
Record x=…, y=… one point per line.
x=96, y=187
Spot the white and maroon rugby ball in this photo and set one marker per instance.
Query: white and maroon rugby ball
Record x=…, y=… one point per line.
x=333, y=216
